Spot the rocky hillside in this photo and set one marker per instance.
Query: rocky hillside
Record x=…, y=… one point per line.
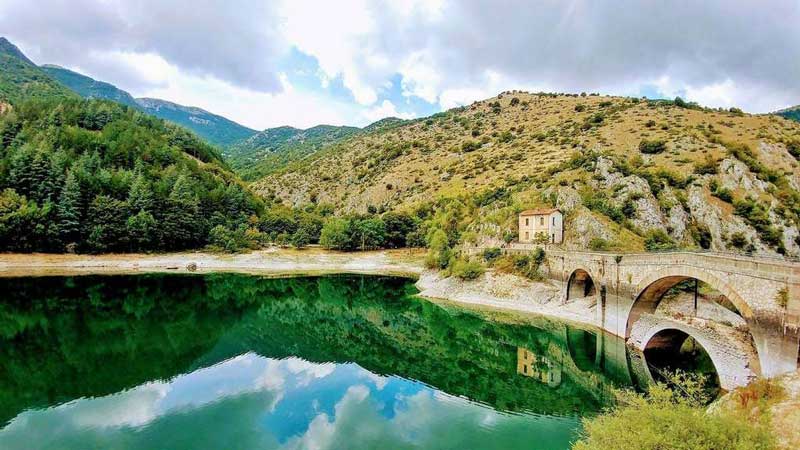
x=629, y=173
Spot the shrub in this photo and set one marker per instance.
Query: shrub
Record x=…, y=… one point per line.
x=439, y=251
x=707, y=167
x=470, y=146
x=466, y=269
x=651, y=147
x=301, y=238
x=701, y=234
x=658, y=240
x=599, y=244
x=335, y=234
x=676, y=418
x=738, y=240
x=580, y=108
x=490, y=254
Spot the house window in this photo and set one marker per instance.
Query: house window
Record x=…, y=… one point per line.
x=526, y=236
x=554, y=221
x=541, y=220
x=526, y=221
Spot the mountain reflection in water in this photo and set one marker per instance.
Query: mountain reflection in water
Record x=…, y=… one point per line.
x=235, y=361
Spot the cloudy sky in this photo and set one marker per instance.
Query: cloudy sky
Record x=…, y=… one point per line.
x=304, y=62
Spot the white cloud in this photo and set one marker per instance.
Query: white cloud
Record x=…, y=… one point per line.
x=385, y=109
x=257, y=110
x=228, y=59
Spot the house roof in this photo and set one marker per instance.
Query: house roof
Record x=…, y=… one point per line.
x=539, y=212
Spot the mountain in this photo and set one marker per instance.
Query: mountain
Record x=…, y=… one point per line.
x=792, y=113
x=211, y=127
x=629, y=173
x=20, y=78
x=95, y=176
x=88, y=87
x=215, y=129
x=274, y=148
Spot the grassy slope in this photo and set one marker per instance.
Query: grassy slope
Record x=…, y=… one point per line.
x=426, y=159
x=275, y=148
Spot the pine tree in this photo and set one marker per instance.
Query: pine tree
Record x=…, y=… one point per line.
x=68, y=210
x=140, y=196
x=140, y=230
x=182, y=222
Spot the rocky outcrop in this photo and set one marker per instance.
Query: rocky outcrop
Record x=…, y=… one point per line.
x=583, y=227
x=734, y=174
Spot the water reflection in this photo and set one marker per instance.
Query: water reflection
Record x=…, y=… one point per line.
x=231, y=361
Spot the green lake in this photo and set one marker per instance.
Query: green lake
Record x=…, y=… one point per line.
x=229, y=361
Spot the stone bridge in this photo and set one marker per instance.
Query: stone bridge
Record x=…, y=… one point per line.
x=629, y=287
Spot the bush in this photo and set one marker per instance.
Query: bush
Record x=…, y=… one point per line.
x=526, y=265
x=470, y=146
x=242, y=238
x=652, y=147
x=335, y=234
x=707, y=167
x=490, y=254
x=300, y=239
x=599, y=244
x=738, y=240
x=665, y=419
x=658, y=240
x=702, y=235
x=439, y=251
x=466, y=269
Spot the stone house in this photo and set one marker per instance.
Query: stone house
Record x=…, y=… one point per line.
x=545, y=225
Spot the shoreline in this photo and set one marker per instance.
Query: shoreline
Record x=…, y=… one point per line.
x=272, y=261
x=492, y=291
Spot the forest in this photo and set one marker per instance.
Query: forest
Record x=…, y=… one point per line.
x=96, y=176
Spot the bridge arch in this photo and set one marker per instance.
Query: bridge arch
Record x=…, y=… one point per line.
x=734, y=366
x=580, y=284
x=652, y=288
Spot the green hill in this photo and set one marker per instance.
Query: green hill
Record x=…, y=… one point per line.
x=97, y=176
x=274, y=148
x=20, y=78
x=88, y=87
x=630, y=174
x=792, y=113
x=215, y=129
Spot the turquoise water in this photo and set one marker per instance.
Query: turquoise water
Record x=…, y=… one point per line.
x=233, y=361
